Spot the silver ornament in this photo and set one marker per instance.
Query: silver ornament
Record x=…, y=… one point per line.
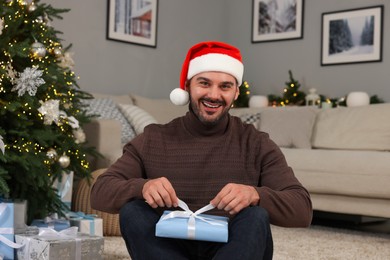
x=52, y=155
x=64, y=161
x=38, y=50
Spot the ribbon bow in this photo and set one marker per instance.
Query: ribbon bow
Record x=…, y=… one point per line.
x=80, y=215
x=187, y=213
x=65, y=233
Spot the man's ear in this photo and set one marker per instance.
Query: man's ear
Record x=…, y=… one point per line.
x=237, y=93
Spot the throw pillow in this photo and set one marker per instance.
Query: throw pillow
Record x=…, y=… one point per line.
x=105, y=108
x=250, y=118
x=137, y=117
x=289, y=127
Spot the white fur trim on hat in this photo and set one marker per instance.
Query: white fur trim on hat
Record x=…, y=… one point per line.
x=216, y=62
x=179, y=97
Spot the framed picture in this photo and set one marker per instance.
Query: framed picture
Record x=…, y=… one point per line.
x=352, y=36
x=276, y=20
x=133, y=21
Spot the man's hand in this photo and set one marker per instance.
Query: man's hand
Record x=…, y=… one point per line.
x=159, y=193
x=235, y=197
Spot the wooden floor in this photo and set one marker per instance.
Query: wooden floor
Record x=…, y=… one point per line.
x=353, y=222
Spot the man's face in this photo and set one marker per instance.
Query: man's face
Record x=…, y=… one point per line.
x=211, y=95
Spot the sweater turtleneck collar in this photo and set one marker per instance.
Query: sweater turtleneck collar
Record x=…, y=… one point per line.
x=197, y=128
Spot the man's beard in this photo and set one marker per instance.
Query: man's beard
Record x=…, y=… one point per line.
x=195, y=108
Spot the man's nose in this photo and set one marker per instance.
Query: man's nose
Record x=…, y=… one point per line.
x=214, y=92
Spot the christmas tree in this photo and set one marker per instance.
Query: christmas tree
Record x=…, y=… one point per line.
x=243, y=98
x=292, y=96
x=41, y=109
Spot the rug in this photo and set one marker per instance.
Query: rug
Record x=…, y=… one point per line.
x=316, y=242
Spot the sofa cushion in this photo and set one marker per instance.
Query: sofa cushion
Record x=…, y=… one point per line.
x=289, y=127
x=137, y=117
x=161, y=109
x=353, y=173
x=360, y=128
x=105, y=108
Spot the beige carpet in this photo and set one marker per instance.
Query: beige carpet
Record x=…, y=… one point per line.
x=312, y=243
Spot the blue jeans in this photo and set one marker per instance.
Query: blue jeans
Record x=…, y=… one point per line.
x=249, y=237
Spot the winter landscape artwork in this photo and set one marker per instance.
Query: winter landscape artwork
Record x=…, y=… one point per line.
x=352, y=36
x=276, y=20
x=133, y=21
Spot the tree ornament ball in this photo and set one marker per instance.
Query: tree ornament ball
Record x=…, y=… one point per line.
x=64, y=161
x=57, y=52
x=38, y=50
x=52, y=154
x=32, y=7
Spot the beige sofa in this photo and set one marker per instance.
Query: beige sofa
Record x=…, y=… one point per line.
x=342, y=155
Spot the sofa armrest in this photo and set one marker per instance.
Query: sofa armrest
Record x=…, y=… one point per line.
x=104, y=135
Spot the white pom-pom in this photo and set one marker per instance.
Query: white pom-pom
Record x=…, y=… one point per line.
x=179, y=97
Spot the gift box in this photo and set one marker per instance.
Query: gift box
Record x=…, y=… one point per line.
x=51, y=222
x=58, y=224
x=12, y=220
x=192, y=226
x=66, y=244
x=87, y=223
x=64, y=186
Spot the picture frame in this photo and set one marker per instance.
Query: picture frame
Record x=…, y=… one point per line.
x=277, y=20
x=352, y=36
x=133, y=21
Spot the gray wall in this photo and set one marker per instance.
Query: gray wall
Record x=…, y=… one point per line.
x=113, y=67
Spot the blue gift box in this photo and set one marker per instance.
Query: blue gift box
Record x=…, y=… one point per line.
x=56, y=224
x=207, y=227
x=8, y=225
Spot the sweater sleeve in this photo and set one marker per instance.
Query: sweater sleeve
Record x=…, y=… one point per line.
x=123, y=180
x=288, y=203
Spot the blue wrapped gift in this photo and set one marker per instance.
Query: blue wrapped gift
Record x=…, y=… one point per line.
x=192, y=225
x=7, y=230
x=51, y=222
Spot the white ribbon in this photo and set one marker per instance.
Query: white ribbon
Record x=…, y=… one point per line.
x=187, y=213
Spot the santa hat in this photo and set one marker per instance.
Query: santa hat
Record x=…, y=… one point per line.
x=208, y=56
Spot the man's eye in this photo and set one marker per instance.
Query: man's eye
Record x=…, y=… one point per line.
x=226, y=86
x=204, y=83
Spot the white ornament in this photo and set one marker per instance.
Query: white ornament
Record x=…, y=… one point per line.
x=29, y=80
x=66, y=60
x=73, y=122
x=358, y=98
x=258, y=101
x=50, y=111
x=1, y=25
x=2, y=145
x=79, y=136
x=11, y=73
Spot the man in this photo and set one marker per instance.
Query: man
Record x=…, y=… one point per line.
x=206, y=156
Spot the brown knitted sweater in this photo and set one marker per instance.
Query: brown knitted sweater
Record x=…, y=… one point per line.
x=199, y=160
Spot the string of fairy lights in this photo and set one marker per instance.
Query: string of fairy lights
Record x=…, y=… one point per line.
x=42, y=53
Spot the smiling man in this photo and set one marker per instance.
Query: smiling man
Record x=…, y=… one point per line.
x=206, y=156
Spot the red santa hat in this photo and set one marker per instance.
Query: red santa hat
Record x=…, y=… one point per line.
x=208, y=56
